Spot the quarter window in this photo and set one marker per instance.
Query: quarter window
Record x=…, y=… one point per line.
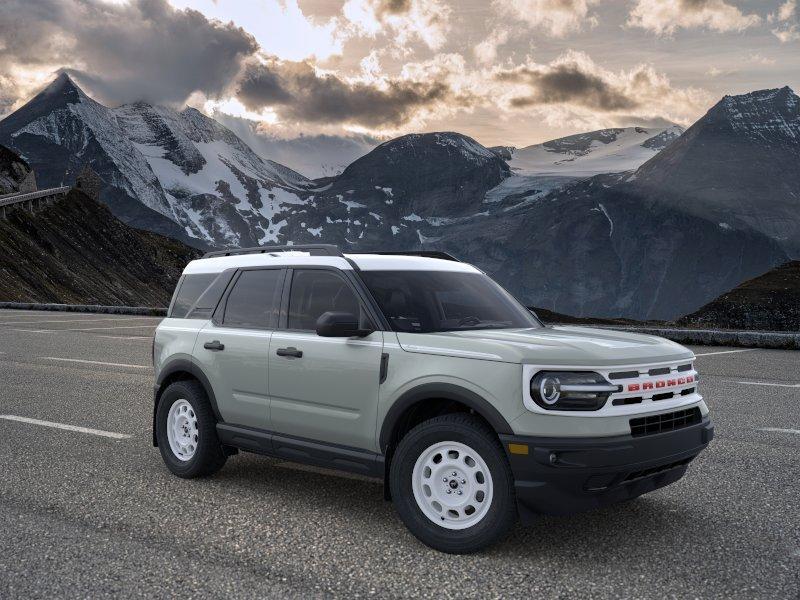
x=252, y=301
x=189, y=291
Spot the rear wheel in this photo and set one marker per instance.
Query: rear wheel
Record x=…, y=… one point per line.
x=186, y=431
x=452, y=485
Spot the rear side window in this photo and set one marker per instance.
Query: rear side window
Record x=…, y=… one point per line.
x=253, y=299
x=315, y=292
x=189, y=291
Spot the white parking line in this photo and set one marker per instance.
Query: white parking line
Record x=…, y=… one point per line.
x=779, y=430
x=95, y=362
x=100, y=432
x=726, y=352
x=71, y=320
x=787, y=385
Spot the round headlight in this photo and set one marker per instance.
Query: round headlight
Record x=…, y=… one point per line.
x=550, y=389
x=571, y=390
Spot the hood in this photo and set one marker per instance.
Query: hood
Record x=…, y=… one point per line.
x=557, y=346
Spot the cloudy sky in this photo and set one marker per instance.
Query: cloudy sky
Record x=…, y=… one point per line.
x=503, y=71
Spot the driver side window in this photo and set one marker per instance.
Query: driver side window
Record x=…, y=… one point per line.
x=314, y=292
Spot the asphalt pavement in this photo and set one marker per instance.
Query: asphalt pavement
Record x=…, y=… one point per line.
x=87, y=509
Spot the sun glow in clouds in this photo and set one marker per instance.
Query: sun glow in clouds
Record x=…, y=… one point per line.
x=280, y=28
x=233, y=107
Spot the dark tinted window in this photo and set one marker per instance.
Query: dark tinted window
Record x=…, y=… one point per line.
x=431, y=301
x=209, y=299
x=316, y=292
x=189, y=291
x=253, y=299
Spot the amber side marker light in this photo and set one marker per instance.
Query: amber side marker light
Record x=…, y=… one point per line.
x=518, y=448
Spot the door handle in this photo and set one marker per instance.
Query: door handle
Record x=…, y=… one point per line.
x=290, y=351
x=215, y=345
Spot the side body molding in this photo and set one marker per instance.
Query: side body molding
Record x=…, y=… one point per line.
x=446, y=391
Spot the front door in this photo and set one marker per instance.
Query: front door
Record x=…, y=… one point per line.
x=233, y=351
x=324, y=389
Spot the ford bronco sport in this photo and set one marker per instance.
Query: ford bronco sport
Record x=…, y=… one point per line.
x=418, y=369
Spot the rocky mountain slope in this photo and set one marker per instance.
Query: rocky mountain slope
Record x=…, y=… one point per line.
x=178, y=173
x=737, y=166
x=768, y=302
x=716, y=207
x=598, y=249
x=693, y=221
x=75, y=251
x=386, y=198
x=15, y=174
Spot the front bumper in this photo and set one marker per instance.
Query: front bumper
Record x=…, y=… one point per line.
x=561, y=476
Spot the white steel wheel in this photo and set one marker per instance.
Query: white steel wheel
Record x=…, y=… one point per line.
x=182, y=432
x=452, y=485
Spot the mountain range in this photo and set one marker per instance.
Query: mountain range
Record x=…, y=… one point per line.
x=647, y=223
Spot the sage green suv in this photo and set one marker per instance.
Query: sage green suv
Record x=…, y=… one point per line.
x=421, y=370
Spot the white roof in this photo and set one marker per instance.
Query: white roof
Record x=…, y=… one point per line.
x=365, y=262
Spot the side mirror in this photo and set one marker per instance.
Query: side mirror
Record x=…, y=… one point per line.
x=340, y=324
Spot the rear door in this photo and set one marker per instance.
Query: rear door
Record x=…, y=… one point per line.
x=233, y=348
x=324, y=389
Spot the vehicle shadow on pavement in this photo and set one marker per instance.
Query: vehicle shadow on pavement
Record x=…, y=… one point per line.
x=358, y=504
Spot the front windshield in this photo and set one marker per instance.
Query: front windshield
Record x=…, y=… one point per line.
x=435, y=301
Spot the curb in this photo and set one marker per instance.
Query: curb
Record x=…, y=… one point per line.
x=88, y=308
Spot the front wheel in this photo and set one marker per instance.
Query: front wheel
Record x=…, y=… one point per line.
x=452, y=485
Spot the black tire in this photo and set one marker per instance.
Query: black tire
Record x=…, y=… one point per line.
x=209, y=457
x=471, y=431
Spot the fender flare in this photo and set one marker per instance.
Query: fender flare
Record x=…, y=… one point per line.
x=446, y=391
x=184, y=365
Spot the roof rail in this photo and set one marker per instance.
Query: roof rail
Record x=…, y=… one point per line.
x=312, y=249
x=423, y=253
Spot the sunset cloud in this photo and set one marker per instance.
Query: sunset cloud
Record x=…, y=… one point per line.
x=786, y=18
x=298, y=91
x=573, y=85
x=405, y=21
x=665, y=17
x=556, y=17
x=144, y=49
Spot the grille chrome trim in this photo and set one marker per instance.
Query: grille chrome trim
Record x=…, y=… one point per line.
x=683, y=394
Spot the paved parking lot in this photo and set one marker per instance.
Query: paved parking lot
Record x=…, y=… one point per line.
x=84, y=514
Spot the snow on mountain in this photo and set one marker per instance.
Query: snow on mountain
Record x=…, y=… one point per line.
x=541, y=169
x=181, y=164
x=315, y=156
x=77, y=123
x=593, y=153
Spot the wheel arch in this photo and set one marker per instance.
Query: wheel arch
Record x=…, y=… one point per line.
x=182, y=369
x=416, y=398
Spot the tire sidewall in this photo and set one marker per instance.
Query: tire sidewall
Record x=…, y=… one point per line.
x=181, y=391
x=501, y=513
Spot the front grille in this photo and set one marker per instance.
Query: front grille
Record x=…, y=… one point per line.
x=665, y=422
x=658, y=469
x=659, y=371
x=624, y=401
x=624, y=375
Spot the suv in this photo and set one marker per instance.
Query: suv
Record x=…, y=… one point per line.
x=421, y=370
